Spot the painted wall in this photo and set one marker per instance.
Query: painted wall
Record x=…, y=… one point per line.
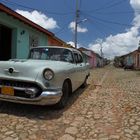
x=20, y=36
x=91, y=58
x=137, y=60
x=53, y=42
x=129, y=60
x=99, y=61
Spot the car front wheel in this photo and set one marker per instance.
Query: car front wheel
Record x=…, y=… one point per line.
x=65, y=96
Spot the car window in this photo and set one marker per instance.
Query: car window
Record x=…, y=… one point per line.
x=78, y=57
x=56, y=54
x=67, y=56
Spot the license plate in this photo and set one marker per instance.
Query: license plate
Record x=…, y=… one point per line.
x=6, y=90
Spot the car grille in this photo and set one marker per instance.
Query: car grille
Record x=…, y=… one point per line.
x=20, y=84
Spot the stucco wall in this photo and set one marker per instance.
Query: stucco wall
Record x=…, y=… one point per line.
x=129, y=60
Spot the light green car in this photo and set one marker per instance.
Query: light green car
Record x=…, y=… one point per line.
x=47, y=77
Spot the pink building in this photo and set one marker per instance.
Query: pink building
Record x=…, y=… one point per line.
x=91, y=57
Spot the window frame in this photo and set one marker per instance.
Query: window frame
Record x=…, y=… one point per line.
x=79, y=58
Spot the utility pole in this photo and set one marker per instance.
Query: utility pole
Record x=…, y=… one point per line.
x=139, y=45
x=100, y=41
x=76, y=23
x=101, y=50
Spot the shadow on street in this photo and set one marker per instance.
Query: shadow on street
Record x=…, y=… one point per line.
x=38, y=112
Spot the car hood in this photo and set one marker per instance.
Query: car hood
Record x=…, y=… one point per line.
x=29, y=69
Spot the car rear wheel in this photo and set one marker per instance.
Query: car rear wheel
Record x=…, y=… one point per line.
x=65, y=96
x=85, y=83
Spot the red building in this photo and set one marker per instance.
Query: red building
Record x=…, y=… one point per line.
x=136, y=55
x=132, y=59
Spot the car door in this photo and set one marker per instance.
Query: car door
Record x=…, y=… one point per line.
x=82, y=68
x=78, y=69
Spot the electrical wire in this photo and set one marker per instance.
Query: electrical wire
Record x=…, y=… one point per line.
x=107, y=5
x=96, y=11
x=62, y=29
x=30, y=8
x=102, y=32
x=116, y=12
x=102, y=25
x=108, y=21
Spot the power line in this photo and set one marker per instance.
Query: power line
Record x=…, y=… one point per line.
x=102, y=32
x=116, y=12
x=97, y=28
x=62, y=29
x=99, y=7
x=108, y=5
x=108, y=21
x=30, y=8
x=102, y=24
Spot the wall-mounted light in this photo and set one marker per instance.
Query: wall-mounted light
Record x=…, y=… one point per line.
x=22, y=32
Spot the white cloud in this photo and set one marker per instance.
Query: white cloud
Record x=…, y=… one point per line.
x=39, y=18
x=73, y=44
x=79, y=29
x=121, y=43
x=135, y=5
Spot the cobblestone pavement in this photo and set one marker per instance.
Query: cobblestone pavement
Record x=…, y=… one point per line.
x=107, y=109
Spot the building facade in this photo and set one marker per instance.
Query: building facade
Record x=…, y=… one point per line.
x=18, y=35
x=136, y=57
x=94, y=59
x=131, y=59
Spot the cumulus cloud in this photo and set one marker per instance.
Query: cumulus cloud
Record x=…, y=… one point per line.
x=39, y=18
x=135, y=5
x=79, y=29
x=121, y=43
x=73, y=44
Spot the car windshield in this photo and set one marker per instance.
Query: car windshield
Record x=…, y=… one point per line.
x=56, y=54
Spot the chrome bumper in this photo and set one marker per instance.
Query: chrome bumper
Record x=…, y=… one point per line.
x=46, y=98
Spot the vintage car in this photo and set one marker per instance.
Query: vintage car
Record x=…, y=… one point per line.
x=47, y=77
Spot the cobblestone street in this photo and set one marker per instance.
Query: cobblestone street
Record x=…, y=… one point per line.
x=107, y=109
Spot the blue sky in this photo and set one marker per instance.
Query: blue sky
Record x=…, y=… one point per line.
x=114, y=24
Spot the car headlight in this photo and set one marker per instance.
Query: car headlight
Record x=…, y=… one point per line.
x=48, y=74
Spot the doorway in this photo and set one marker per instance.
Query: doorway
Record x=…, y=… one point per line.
x=5, y=42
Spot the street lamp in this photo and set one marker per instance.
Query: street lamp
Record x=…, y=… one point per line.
x=76, y=26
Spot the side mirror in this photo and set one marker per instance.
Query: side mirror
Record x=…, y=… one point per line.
x=88, y=65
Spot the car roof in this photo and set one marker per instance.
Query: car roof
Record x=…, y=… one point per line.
x=72, y=49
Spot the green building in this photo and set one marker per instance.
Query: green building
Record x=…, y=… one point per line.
x=18, y=35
